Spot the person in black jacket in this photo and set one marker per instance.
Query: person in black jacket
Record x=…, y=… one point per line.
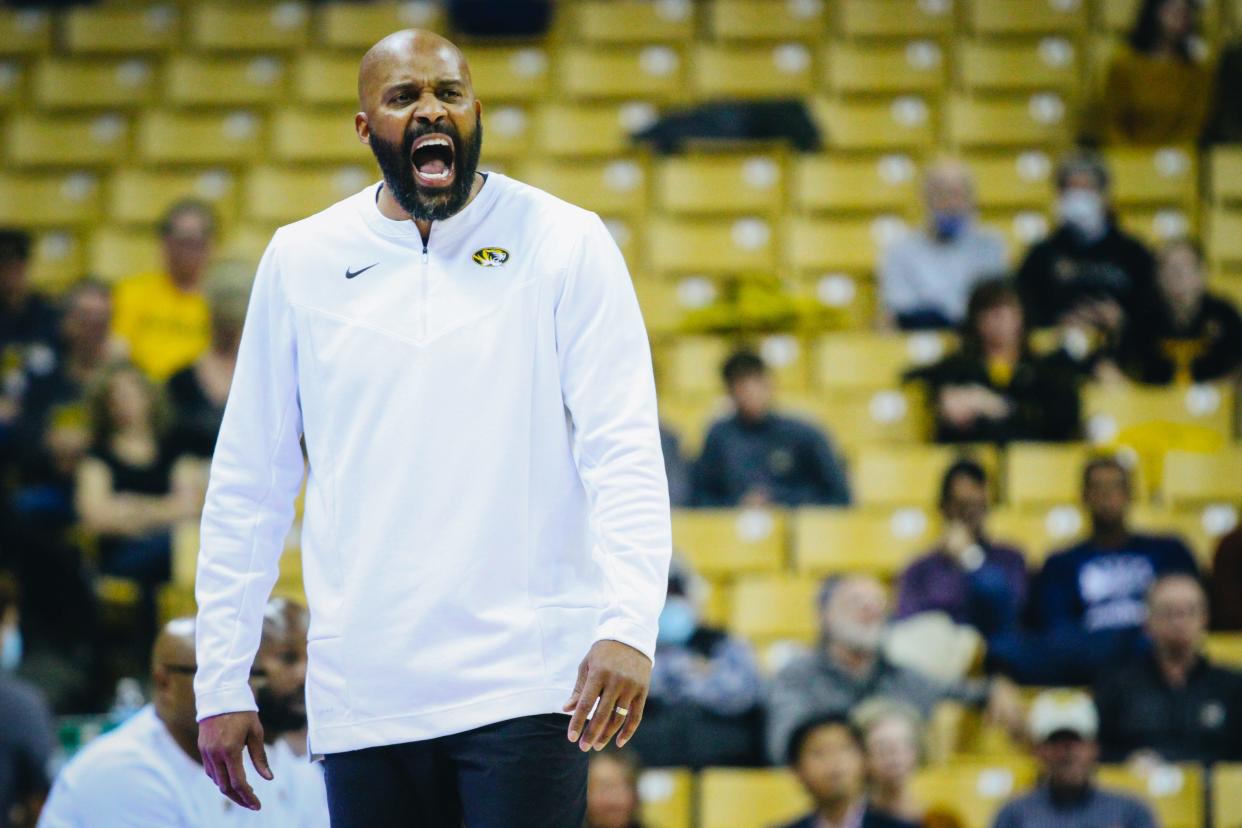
x=1189, y=335
x=993, y=389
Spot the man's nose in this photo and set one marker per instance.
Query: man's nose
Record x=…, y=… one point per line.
x=430, y=109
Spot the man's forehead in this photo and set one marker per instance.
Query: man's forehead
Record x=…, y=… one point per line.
x=419, y=58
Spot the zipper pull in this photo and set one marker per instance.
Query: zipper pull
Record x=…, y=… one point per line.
x=426, y=256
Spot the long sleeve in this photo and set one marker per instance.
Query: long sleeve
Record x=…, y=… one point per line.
x=609, y=390
x=255, y=475
x=1226, y=583
x=708, y=484
x=791, y=700
x=832, y=488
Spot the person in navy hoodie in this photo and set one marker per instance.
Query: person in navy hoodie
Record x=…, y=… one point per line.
x=1089, y=601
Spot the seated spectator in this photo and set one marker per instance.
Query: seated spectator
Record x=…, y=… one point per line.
x=827, y=755
x=27, y=731
x=1226, y=583
x=994, y=389
x=1225, y=121
x=26, y=317
x=893, y=735
x=1089, y=273
x=757, y=457
x=1189, y=335
x=199, y=391
x=1172, y=704
x=1063, y=729
x=612, y=789
x=162, y=317
x=1089, y=601
x=676, y=469
x=926, y=277
x=850, y=667
x=1157, y=90
x=703, y=704
x=149, y=770
x=976, y=581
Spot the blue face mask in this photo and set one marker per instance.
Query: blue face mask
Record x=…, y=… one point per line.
x=10, y=649
x=948, y=226
x=678, y=621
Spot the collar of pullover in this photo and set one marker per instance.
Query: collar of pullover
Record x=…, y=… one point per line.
x=460, y=222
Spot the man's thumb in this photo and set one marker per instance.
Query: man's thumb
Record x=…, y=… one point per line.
x=258, y=754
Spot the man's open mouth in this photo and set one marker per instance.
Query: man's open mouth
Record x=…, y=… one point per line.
x=432, y=158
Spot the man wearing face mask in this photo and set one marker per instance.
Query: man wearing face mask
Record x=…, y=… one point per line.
x=705, y=688
x=1089, y=272
x=927, y=277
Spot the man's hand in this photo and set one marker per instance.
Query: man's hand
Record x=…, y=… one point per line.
x=617, y=676
x=220, y=742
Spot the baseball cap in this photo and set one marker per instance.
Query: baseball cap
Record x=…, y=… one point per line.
x=1057, y=711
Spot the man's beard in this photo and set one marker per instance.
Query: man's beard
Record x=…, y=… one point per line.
x=280, y=714
x=427, y=203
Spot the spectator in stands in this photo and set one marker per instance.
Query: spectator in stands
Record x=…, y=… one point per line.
x=926, y=277
x=893, y=734
x=1089, y=273
x=26, y=727
x=757, y=457
x=1172, y=704
x=1158, y=90
x=1225, y=121
x=827, y=755
x=1189, y=334
x=199, y=391
x=163, y=316
x=849, y=667
x=26, y=317
x=975, y=580
x=703, y=705
x=612, y=789
x=1226, y=583
x=149, y=771
x=993, y=388
x=676, y=469
x=1089, y=601
x=1063, y=726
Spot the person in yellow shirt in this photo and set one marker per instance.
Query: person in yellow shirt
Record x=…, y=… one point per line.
x=162, y=317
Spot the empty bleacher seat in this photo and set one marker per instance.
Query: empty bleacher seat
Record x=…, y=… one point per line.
x=1040, y=119
x=1042, y=474
x=907, y=475
x=67, y=140
x=630, y=21
x=973, y=790
x=1225, y=648
x=776, y=70
x=56, y=259
x=1025, y=17
x=116, y=29
x=1146, y=177
x=78, y=83
x=849, y=245
x=738, y=246
x=906, y=122
x=885, y=416
x=828, y=183
x=48, y=199
x=196, y=80
x=1110, y=410
x=850, y=67
x=867, y=360
x=1225, y=236
x=326, y=78
x=1038, y=530
x=140, y=196
x=167, y=137
x=1226, y=804
x=895, y=18
x=279, y=195
x=667, y=797
x=25, y=31
x=725, y=183
x=116, y=253
x=653, y=72
x=1021, y=179
x=360, y=25
x=746, y=798
x=1175, y=793
x=691, y=364
x=768, y=608
x=585, y=129
x=616, y=186
x=727, y=542
x=765, y=20
x=233, y=27
x=882, y=543
x=309, y=135
x=986, y=65
x=1196, y=478
x=1225, y=174
x=509, y=73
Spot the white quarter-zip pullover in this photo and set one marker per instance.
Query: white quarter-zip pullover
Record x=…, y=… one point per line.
x=486, y=493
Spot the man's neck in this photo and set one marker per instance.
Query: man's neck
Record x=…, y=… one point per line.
x=1110, y=535
x=888, y=797
x=1004, y=351
x=854, y=661
x=389, y=208
x=1175, y=665
x=835, y=811
x=186, y=740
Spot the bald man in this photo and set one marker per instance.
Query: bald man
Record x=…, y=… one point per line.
x=486, y=531
x=148, y=772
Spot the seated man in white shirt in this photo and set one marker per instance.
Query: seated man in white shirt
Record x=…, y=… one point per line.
x=147, y=773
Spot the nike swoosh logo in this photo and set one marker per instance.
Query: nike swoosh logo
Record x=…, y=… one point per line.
x=349, y=274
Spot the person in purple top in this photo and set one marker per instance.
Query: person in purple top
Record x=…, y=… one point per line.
x=968, y=576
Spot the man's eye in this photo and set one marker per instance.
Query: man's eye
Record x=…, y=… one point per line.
x=450, y=94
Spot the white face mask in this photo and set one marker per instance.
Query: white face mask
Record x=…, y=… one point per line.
x=1084, y=209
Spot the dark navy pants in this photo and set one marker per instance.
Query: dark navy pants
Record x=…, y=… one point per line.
x=520, y=773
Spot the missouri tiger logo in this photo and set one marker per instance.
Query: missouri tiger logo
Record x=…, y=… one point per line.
x=491, y=256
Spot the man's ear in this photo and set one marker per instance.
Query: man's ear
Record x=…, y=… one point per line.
x=363, y=127
x=478, y=108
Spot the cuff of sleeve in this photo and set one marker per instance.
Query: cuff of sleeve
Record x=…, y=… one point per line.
x=237, y=699
x=629, y=633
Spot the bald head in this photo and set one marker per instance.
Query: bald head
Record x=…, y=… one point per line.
x=398, y=50
x=174, y=646
x=172, y=681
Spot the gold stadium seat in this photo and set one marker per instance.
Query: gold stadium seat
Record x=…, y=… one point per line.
x=907, y=475
x=67, y=140
x=607, y=186
x=833, y=540
x=837, y=245
x=738, y=246
x=309, y=135
x=1225, y=648
x=1026, y=17
x=121, y=30
x=584, y=130
x=1200, y=526
x=833, y=184
x=764, y=20
x=749, y=798
x=725, y=183
x=326, y=78
x=140, y=196
x=691, y=364
x=894, y=18
x=1043, y=474
x=1225, y=174
x=867, y=360
x=68, y=83
x=1226, y=804
x=12, y=83
x=196, y=80
x=842, y=301
x=55, y=260
x=769, y=608
x=1145, y=177
x=116, y=253
x=991, y=66
x=907, y=122
x=862, y=68
x=781, y=70
x=25, y=32
x=972, y=790
x=629, y=21
x=1197, y=478
x=1109, y=410
x=1013, y=180
x=1040, y=119
x=1225, y=235
x=667, y=797
x=1038, y=531
x=48, y=200
x=727, y=542
x=508, y=73
x=166, y=137
x=888, y=416
x=1156, y=225
x=654, y=72
x=277, y=195
x=232, y=27
x=1175, y=793
x=359, y=25
x=691, y=415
